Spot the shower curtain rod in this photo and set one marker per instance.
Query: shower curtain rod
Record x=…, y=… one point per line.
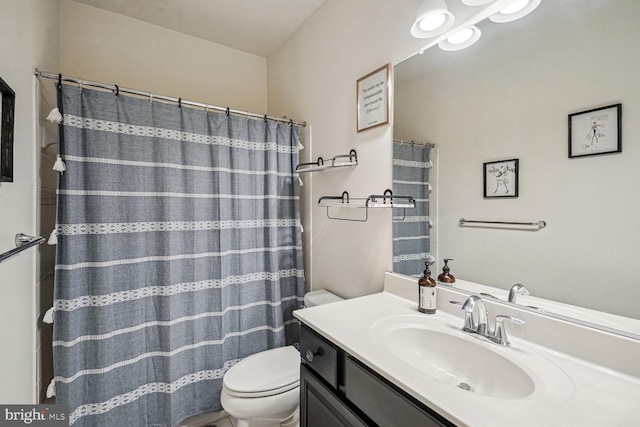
x=152, y=96
x=424, y=144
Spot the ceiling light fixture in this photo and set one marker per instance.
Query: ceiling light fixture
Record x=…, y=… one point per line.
x=433, y=18
x=461, y=39
x=476, y=2
x=515, y=10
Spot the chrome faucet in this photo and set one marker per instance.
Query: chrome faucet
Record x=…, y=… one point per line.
x=516, y=290
x=498, y=334
x=470, y=323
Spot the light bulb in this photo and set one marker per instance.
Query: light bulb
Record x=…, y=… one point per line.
x=432, y=21
x=461, y=36
x=514, y=7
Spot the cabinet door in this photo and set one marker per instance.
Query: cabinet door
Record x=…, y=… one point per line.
x=383, y=403
x=319, y=407
x=320, y=355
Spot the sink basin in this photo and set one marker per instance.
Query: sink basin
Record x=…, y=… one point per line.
x=452, y=357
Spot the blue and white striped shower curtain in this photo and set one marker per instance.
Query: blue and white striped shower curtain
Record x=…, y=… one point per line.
x=411, y=228
x=179, y=253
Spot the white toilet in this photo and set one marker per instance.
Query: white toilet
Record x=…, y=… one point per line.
x=264, y=388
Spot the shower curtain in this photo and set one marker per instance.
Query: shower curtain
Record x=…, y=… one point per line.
x=179, y=253
x=411, y=229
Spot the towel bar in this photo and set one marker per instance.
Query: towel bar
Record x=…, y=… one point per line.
x=22, y=242
x=539, y=224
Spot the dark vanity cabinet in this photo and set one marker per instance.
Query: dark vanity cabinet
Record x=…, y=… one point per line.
x=338, y=390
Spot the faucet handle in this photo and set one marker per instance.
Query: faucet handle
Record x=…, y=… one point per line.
x=470, y=324
x=517, y=289
x=469, y=321
x=500, y=333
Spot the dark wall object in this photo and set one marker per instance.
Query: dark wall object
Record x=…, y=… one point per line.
x=6, y=132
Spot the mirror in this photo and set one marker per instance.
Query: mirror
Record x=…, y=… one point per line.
x=509, y=97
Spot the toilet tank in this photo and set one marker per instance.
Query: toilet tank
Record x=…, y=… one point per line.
x=319, y=297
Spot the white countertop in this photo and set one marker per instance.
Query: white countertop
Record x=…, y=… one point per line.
x=569, y=391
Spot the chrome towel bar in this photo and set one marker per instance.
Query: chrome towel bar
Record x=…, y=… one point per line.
x=22, y=242
x=539, y=224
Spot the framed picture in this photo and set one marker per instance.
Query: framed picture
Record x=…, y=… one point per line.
x=501, y=179
x=373, y=101
x=7, y=109
x=596, y=131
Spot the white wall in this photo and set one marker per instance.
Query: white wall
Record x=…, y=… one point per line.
x=509, y=97
x=313, y=78
x=105, y=47
x=28, y=38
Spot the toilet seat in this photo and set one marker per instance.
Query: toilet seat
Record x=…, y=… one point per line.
x=264, y=374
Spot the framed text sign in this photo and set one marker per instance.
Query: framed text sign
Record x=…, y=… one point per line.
x=373, y=98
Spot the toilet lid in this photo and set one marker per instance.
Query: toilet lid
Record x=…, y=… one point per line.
x=264, y=374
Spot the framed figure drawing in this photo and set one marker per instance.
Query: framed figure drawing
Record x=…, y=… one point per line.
x=596, y=131
x=501, y=179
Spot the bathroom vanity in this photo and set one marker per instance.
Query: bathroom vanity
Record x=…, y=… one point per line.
x=375, y=360
x=338, y=390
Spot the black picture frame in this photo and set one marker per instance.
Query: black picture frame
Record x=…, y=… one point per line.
x=500, y=179
x=595, y=132
x=7, y=112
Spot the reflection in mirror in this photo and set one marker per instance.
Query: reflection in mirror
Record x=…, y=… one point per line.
x=509, y=97
x=412, y=241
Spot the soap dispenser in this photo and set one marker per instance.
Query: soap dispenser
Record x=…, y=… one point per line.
x=427, y=292
x=445, y=277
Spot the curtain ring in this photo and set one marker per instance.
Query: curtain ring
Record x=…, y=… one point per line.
x=59, y=81
x=150, y=98
x=117, y=90
x=291, y=122
x=179, y=102
x=265, y=118
x=228, y=111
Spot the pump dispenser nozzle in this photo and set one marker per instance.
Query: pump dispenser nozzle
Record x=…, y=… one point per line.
x=446, y=278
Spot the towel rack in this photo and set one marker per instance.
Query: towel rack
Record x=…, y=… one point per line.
x=22, y=242
x=386, y=200
x=338, y=161
x=539, y=224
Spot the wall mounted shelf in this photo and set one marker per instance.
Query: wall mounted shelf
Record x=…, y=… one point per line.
x=385, y=200
x=339, y=161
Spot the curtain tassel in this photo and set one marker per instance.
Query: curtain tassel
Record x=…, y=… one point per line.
x=48, y=316
x=55, y=116
x=301, y=229
x=51, y=389
x=53, y=237
x=429, y=164
x=300, y=183
x=429, y=186
x=59, y=165
x=430, y=222
x=300, y=146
